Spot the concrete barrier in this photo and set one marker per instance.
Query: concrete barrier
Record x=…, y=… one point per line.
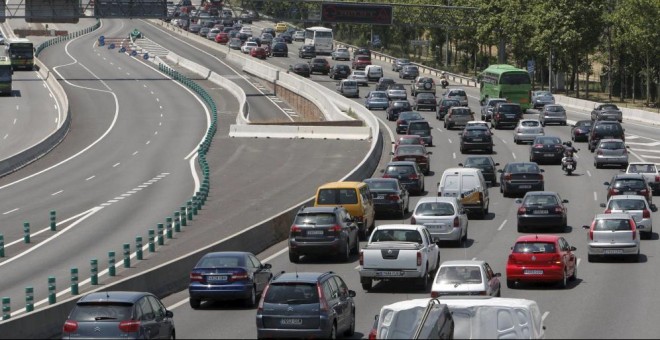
x=638, y=115
x=301, y=132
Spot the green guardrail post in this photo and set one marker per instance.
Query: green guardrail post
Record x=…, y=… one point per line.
x=127, y=255
x=189, y=208
x=51, y=290
x=6, y=308
x=29, y=299
x=94, y=277
x=53, y=221
x=177, y=222
x=161, y=236
x=26, y=232
x=168, y=226
x=195, y=203
x=138, y=248
x=74, y=281
x=152, y=244
x=2, y=245
x=111, y=264
x=183, y=216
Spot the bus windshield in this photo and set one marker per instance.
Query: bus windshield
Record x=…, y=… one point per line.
x=515, y=79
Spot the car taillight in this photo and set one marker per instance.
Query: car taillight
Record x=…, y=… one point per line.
x=538, y=146
x=646, y=213
x=559, y=210
x=70, y=326
x=556, y=259
x=456, y=222
x=399, y=121
x=599, y=153
x=607, y=211
x=435, y=294
x=260, y=307
x=129, y=326
x=643, y=192
x=657, y=178
x=507, y=177
x=386, y=176
x=614, y=191
x=295, y=229
x=372, y=334
x=413, y=220
x=323, y=303
x=361, y=258
x=241, y=275
x=419, y=258
x=196, y=277
x=512, y=259
x=335, y=228
x=591, y=230
x=414, y=176
x=392, y=197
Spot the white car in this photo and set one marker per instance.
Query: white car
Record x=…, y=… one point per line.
x=299, y=36
x=341, y=53
x=477, y=123
x=444, y=217
x=613, y=235
x=649, y=171
x=360, y=77
x=246, y=29
x=248, y=46
x=637, y=207
x=466, y=277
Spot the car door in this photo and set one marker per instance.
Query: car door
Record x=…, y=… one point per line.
x=150, y=329
x=331, y=295
x=567, y=254
x=261, y=275
x=432, y=250
x=344, y=300
x=405, y=196
x=493, y=281
x=368, y=204
x=162, y=323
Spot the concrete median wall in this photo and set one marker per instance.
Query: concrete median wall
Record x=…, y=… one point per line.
x=301, y=132
x=643, y=116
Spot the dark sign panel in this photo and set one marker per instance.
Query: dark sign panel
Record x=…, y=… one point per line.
x=56, y=11
x=2, y=10
x=130, y=9
x=356, y=13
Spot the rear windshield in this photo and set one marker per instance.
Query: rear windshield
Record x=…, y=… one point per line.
x=401, y=104
x=493, y=102
x=397, y=235
x=609, y=107
x=103, y=311
x=435, y=209
x=523, y=167
x=472, y=161
x=419, y=125
x=396, y=87
x=541, y=200
x=627, y=204
x=608, y=129
x=425, y=95
x=547, y=140
x=642, y=168
x=515, y=79
x=529, y=123
x=460, y=93
x=510, y=108
x=612, y=225
x=459, y=274
x=350, y=84
x=337, y=196
x=410, y=115
x=450, y=103
x=534, y=247
x=382, y=185
x=221, y=261
x=460, y=112
x=630, y=183
x=362, y=58
x=409, y=141
x=475, y=132
x=378, y=95
x=612, y=145
x=292, y=294
x=410, y=150
x=315, y=218
x=400, y=170
x=585, y=123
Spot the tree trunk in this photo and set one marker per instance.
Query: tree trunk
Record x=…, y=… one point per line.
x=586, y=91
x=542, y=73
x=633, y=85
x=648, y=79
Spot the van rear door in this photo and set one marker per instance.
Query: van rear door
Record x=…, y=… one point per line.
x=451, y=185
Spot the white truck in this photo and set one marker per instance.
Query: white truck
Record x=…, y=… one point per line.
x=399, y=252
x=649, y=171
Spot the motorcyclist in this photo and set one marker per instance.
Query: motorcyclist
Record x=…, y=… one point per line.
x=569, y=150
x=443, y=80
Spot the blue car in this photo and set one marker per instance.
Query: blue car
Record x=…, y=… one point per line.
x=376, y=100
x=228, y=275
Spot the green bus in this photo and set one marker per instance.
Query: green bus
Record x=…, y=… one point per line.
x=21, y=52
x=6, y=72
x=506, y=81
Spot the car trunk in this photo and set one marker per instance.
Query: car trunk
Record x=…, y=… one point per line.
x=291, y=306
x=391, y=255
x=613, y=236
x=436, y=224
x=522, y=178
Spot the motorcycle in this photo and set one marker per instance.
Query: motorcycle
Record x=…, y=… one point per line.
x=444, y=83
x=569, y=165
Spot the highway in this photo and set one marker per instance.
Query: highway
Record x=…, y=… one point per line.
x=591, y=307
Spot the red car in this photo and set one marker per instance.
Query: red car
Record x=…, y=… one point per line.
x=360, y=62
x=541, y=258
x=258, y=52
x=409, y=140
x=222, y=38
x=416, y=153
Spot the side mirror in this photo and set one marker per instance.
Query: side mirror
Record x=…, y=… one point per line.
x=640, y=226
x=429, y=153
x=461, y=212
x=497, y=164
x=606, y=183
x=436, y=239
x=602, y=205
x=498, y=274
x=585, y=227
x=351, y=293
x=564, y=201
x=266, y=266
x=382, y=171
x=460, y=164
x=500, y=170
x=391, y=153
x=542, y=170
x=572, y=248
x=518, y=201
x=169, y=314
x=654, y=208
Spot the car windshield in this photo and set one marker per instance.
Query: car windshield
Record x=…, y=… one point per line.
x=630, y=183
x=585, y=123
x=410, y=115
x=102, y=311
x=543, y=94
x=396, y=235
x=457, y=93
x=627, y=204
x=642, y=168
x=460, y=112
x=459, y=274
x=292, y=293
x=399, y=170
x=477, y=161
x=382, y=185
x=435, y=209
x=612, y=145
x=337, y=196
x=315, y=218
x=609, y=107
x=221, y=261
x=612, y=225
x=540, y=200
x=450, y=103
x=547, y=140
x=534, y=247
x=529, y=123
x=410, y=150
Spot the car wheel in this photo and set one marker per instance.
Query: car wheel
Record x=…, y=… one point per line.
x=195, y=303
x=362, y=234
x=596, y=165
x=489, y=150
x=574, y=276
x=345, y=252
x=251, y=301
x=333, y=332
x=423, y=282
x=564, y=281
x=293, y=257
x=499, y=292
x=366, y=283
x=444, y=125
x=510, y=284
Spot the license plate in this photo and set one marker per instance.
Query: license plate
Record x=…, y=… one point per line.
x=380, y=197
x=510, y=116
x=411, y=159
x=533, y=272
x=548, y=155
x=540, y=212
x=613, y=251
x=435, y=226
x=477, y=139
x=389, y=273
x=217, y=278
x=291, y=321
x=630, y=193
x=525, y=186
x=607, y=137
x=569, y=167
x=314, y=232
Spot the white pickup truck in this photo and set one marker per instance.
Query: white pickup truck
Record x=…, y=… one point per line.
x=399, y=252
x=649, y=171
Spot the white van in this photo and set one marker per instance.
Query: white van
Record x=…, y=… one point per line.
x=349, y=88
x=374, y=72
x=495, y=318
x=401, y=320
x=469, y=186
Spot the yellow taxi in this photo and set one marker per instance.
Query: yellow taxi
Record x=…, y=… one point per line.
x=280, y=27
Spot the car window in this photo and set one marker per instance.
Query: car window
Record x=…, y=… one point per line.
x=642, y=168
x=547, y=140
x=418, y=125
x=509, y=109
x=292, y=293
x=541, y=200
x=451, y=182
x=254, y=261
x=534, y=247
x=399, y=170
x=489, y=271
x=159, y=310
x=609, y=107
x=611, y=145
x=470, y=183
x=459, y=274
x=397, y=235
x=341, y=285
x=435, y=209
x=107, y=310
x=475, y=132
x=612, y=225
x=627, y=204
x=460, y=112
x=410, y=150
x=382, y=185
x=529, y=123
x=337, y=196
x=147, y=310
x=221, y=261
x=630, y=183
x=472, y=161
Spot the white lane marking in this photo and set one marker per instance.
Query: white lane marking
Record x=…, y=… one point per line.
x=501, y=225
x=357, y=267
x=504, y=141
x=474, y=259
x=449, y=140
x=577, y=264
x=656, y=143
x=18, y=108
x=135, y=153
x=15, y=119
x=111, y=63
x=10, y=211
x=116, y=164
x=545, y=315
x=588, y=173
x=152, y=92
x=50, y=95
x=644, y=150
x=145, y=85
x=158, y=100
x=148, y=142
x=5, y=137
x=514, y=155
x=57, y=193
x=595, y=196
x=161, y=107
x=156, y=132
x=160, y=123
x=113, y=201
x=439, y=129
x=90, y=177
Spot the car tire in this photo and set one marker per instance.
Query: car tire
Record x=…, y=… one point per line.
x=351, y=330
x=646, y=235
x=345, y=253
x=356, y=248
x=251, y=301
x=489, y=150
x=591, y=258
x=574, y=276
x=195, y=303
x=564, y=281
x=362, y=234
x=510, y=284
x=423, y=282
x=293, y=257
x=366, y=284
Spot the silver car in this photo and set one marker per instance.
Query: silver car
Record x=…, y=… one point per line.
x=299, y=36
x=466, y=277
x=360, y=77
x=341, y=53
x=553, y=113
x=397, y=92
x=487, y=109
x=398, y=64
x=542, y=98
x=458, y=94
x=613, y=235
x=527, y=130
x=611, y=152
x=637, y=207
x=444, y=217
x=212, y=33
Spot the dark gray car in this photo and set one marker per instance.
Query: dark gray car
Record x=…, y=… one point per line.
x=119, y=314
x=398, y=64
x=389, y=196
x=607, y=112
x=409, y=72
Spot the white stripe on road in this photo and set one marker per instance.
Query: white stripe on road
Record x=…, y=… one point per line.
x=453, y=155
x=501, y=225
x=514, y=155
x=449, y=140
x=577, y=264
x=595, y=196
x=545, y=315
x=588, y=173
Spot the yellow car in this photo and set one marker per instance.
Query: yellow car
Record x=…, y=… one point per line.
x=280, y=27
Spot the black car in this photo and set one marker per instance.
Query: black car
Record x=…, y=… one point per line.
x=339, y=71
x=269, y=30
x=580, y=130
x=119, y=314
x=395, y=108
x=486, y=164
x=304, y=304
x=319, y=65
x=300, y=69
x=323, y=231
x=383, y=83
x=409, y=72
x=476, y=137
x=425, y=100
x=521, y=177
x=288, y=38
x=546, y=149
x=444, y=106
x=629, y=184
x=279, y=49
x=605, y=129
x=408, y=173
x=389, y=196
x=506, y=114
x=307, y=51
x=405, y=117
x=542, y=210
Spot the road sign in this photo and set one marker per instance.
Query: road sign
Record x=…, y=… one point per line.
x=57, y=11
x=531, y=65
x=356, y=13
x=420, y=43
x=155, y=9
